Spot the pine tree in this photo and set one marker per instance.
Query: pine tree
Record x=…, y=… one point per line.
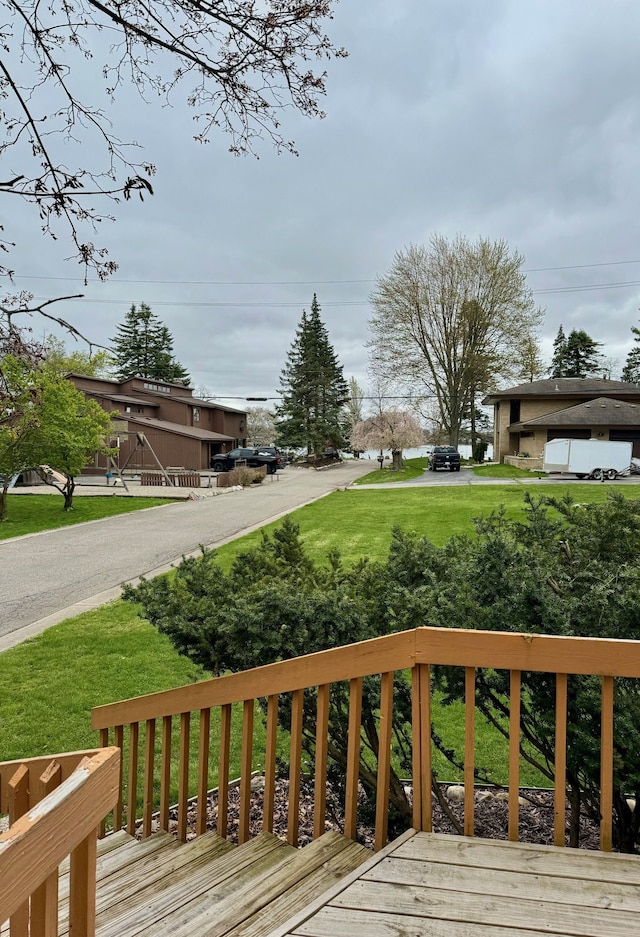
x=314, y=390
x=582, y=357
x=558, y=361
x=575, y=356
x=631, y=371
x=143, y=347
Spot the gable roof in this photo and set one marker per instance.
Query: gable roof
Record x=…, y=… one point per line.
x=599, y=412
x=567, y=387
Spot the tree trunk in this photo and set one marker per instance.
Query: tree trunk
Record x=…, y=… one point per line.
x=397, y=463
x=68, y=490
x=3, y=499
x=574, y=818
x=473, y=422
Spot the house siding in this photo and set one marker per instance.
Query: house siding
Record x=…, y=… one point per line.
x=513, y=440
x=172, y=447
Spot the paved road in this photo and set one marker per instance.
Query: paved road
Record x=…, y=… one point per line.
x=56, y=574
x=53, y=575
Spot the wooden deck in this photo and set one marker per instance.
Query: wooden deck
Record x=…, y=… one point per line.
x=429, y=885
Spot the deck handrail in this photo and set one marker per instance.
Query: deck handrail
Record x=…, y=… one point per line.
x=449, y=646
x=62, y=823
x=416, y=650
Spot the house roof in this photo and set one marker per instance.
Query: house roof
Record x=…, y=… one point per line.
x=199, y=402
x=164, y=426
x=566, y=387
x=599, y=412
x=124, y=398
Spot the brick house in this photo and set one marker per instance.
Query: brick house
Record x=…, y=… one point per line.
x=182, y=429
x=529, y=415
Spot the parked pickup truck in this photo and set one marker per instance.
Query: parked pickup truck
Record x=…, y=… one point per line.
x=254, y=458
x=444, y=457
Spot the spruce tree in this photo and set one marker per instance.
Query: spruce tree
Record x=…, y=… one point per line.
x=314, y=390
x=576, y=355
x=558, y=360
x=631, y=370
x=143, y=347
x=582, y=358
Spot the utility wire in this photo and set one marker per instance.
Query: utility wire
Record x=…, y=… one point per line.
x=609, y=263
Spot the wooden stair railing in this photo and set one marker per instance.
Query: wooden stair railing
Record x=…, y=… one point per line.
x=416, y=651
x=55, y=806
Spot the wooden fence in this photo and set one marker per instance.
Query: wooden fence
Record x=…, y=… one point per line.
x=415, y=651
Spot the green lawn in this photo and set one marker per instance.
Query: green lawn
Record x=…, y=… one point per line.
x=50, y=683
x=505, y=471
x=27, y=514
x=413, y=468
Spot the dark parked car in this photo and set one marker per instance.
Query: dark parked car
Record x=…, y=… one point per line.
x=254, y=458
x=444, y=457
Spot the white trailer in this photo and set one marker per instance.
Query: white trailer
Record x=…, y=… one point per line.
x=588, y=458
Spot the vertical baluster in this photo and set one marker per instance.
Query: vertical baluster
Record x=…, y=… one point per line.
x=421, y=741
x=223, y=770
x=104, y=743
x=295, y=766
x=165, y=773
x=203, y=770
x=320, y=777
x=384, y=759
x=133, y=778
x=560, y=779
x=18, y=804
x=469, y=748
x=270, y=763
x=246, y=764
x=515, y=681
x=606, y=765
x=44, y=901
x=149, y=771
x=118, y=739
x=353, y=758
x=183, y=776
x=82, y=888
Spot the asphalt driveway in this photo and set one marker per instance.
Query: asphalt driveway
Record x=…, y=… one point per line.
x=53, y=575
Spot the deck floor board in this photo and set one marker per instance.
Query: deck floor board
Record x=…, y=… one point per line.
x=432, y=885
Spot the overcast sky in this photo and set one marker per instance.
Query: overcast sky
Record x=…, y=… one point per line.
x=501, y=118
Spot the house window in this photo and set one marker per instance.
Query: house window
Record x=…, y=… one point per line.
x=514, y=411
x=159, y=387
x=196, y=414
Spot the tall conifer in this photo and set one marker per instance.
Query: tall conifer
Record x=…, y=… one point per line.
x=631, y=371
x=143, y=347
x=314, y=390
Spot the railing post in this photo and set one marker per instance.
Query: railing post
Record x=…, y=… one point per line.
x=82, y=888
x=44, y=901
x=18, y=798
x=421, y=746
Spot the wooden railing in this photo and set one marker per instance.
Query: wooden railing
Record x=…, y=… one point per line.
x=417, y=650
x=55, y=806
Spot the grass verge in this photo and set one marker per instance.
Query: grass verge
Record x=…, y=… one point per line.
x=29, y=514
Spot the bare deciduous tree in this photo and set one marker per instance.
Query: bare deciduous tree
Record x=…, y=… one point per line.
x=239, y=64
x=449, y=319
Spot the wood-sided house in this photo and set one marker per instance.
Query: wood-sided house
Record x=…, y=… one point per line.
x=183, y=430
x=529, y=415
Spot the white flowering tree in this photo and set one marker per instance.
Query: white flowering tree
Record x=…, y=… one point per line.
x=395, y=430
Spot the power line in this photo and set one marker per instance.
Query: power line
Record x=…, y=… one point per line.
x=234, y=304
x=608, y=263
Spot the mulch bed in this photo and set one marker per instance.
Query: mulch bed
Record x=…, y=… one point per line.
x=491, y=816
